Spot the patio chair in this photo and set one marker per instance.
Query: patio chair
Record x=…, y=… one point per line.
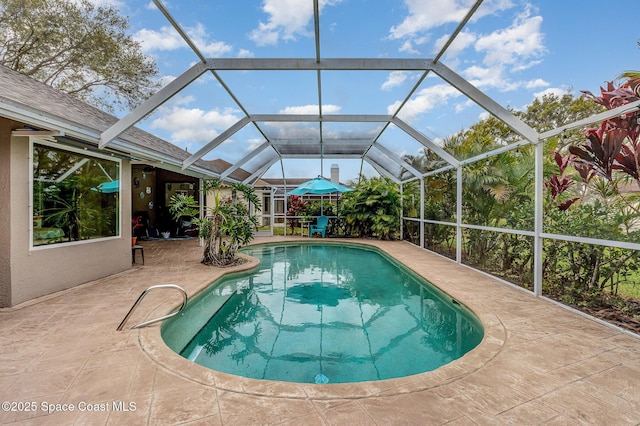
x=320, y=226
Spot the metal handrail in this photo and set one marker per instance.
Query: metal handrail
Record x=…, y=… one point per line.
x=144, y=293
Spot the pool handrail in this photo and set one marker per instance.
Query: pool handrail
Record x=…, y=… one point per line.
x=153, y=321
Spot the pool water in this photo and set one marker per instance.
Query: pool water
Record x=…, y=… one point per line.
x=323, y=313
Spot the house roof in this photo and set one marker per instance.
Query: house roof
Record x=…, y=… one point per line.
x=43, y=107
x=220, y=164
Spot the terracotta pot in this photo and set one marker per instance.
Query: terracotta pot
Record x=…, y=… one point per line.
x=134, y=240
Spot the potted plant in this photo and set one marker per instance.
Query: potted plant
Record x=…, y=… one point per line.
x=136, y=223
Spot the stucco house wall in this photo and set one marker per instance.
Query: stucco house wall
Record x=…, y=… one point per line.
x=47, y=269
x=5, y=215
x=30, y=271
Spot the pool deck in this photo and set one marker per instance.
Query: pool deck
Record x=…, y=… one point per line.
x=538, y=364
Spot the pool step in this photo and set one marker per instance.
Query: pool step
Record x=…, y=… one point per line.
x=192, y=320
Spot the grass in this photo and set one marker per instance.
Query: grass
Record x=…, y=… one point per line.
x=279, y=230
x=630, y=288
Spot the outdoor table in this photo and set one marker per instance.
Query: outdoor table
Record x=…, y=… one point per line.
x=303, y=224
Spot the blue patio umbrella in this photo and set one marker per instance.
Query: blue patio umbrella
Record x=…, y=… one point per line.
x=108, y=187
x=319, y=186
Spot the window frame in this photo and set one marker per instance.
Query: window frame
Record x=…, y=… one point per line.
x=83, y=152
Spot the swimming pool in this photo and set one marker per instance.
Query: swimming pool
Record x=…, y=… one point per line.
x=322, y=313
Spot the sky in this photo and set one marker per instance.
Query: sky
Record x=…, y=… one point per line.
x=512, y=50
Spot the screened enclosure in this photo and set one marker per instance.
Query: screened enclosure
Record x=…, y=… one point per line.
x=488, y=203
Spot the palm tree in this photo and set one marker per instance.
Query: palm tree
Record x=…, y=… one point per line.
x=228, y=224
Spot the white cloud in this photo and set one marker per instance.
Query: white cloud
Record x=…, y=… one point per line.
x=461, y=106
x=424, y=16
x=490, y=77
x=310, y=109
x=517, y=45
x=476, y=72
x=295, y=130
x=424, y=101
x=550, y=91
x=287, y=19
x=534, y=84
x=192, y=127
x=182, y=100
x=505, y=51
x=461, y=42
x=167, y=38
x=395, y=79
x=407, y=47
x=494, y=77
x=254, y=143
x=209, y=48
x=166, y=79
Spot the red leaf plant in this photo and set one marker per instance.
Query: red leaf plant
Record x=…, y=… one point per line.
x=296, y=207
x=557, y=184
x=615, y=145
x=601, y=149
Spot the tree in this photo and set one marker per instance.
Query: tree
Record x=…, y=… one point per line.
x=228, y=224
x=77, y=47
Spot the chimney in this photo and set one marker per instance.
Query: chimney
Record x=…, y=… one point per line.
x=335, y=173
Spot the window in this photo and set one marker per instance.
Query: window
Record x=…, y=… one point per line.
x=75, y=196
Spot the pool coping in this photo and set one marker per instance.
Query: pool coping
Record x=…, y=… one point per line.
x=152, y=344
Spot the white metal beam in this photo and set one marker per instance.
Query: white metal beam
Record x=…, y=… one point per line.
x=426, y=142
x=333, y=118
x=396, y=159
x=381, y=170
x=440, y=170
x=422, y=191
x=326, y=64
x=486, y=102
x=442, y=51
x=496, y=151
x=538, y=212
x=261, y=171
x=215, y=142
x=268, y=161
x=244, y=160
x=197, y=51
x=179, y=29
x=151, y=104
x=459, y=214
x=459, y=28
x=326, y=156
x=630, y=107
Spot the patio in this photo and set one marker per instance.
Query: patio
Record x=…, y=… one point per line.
x=538, y=364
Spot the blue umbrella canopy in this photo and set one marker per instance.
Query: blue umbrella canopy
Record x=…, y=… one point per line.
x=108, y=187
x=319, y=185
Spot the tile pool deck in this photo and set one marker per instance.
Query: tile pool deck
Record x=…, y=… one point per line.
x=538, y=364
